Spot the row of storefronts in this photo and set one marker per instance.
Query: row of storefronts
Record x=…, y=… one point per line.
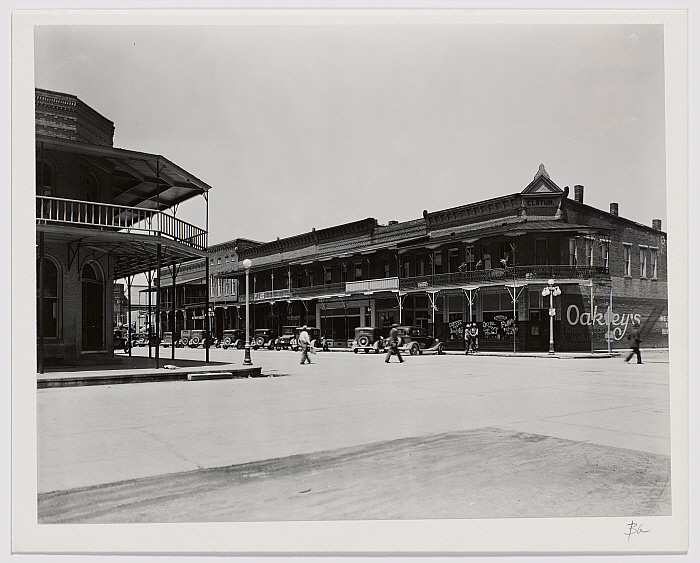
x=485, y=263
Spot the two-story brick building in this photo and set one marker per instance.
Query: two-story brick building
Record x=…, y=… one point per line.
x=485, y=262
x=100, y=216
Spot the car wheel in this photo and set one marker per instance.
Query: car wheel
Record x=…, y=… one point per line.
x=363, y=340
x=441, y=349
x=194, y=342
x=259, y=341
x=185, y=342
x=414, y=349
x=355, y=350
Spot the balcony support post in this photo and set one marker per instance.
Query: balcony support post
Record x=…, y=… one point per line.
x=207, y=288
x=174, y=324
x=157, y=339
x=128, y=311
x=40, y=319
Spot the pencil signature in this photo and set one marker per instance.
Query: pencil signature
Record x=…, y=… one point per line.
x=633, y=529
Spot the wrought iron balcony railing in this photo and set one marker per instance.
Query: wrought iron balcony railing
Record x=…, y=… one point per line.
x=503, y=275
x=107, y=216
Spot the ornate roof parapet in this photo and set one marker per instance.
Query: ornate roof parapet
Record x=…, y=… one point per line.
x=541, y=172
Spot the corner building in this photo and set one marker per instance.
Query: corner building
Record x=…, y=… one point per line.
x=485, y=262
x=100, y=216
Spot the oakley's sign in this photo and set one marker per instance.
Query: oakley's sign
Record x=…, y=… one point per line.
x=618, y=322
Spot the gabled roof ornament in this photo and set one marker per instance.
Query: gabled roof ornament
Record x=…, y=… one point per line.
x=541, y=172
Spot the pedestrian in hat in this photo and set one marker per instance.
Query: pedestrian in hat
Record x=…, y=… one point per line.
x=634, y=339
x=304, y=344
x=394, y=341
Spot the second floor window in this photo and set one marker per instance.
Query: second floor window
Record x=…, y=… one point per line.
x=627, y=259
x=420, y=266
x=642, y=261
x=406, y=268
x=573, y=255
x=437, y=258
x=385, y=268
x=343, y=272
x=653, y=261
x=327, y=274
x=605, y=252
x=453, y=259
x=589, y=252
x=541, y=252
x=358, y=271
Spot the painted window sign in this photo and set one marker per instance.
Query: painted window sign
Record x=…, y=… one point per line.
x=619, y=322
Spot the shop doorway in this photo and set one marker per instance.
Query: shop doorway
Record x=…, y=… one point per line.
x=93, y=309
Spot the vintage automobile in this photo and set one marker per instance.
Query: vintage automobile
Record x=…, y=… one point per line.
x=167, y=341
x=415, y=340
x=121, y=340
x=367, y=338
x=194, y=338
x=140, y=339
x=288, y=338
x=264, y=338
x=234, y=337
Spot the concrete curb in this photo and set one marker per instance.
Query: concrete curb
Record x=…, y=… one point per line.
x=150, y=376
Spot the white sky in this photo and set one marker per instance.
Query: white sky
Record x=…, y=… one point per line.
x=297, y=127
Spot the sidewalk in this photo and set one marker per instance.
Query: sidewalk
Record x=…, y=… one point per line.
x=138, y=369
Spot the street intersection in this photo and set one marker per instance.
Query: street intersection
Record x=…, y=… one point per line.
x=434, y=437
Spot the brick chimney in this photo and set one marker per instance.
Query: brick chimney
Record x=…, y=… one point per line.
x=656, y=224
x=613, y=209
x=578, y=193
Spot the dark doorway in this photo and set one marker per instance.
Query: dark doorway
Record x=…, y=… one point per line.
x=93, y=309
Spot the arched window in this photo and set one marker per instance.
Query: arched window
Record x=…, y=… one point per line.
x=50, y=316
x=91, y=188
x=93, y=307
x=44, y=179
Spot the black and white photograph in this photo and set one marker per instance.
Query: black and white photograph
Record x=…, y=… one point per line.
x=363, y=281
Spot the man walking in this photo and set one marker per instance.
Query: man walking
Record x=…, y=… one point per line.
x=634, y=344
x=393, y=347
x=304, y=344
x=467, y=338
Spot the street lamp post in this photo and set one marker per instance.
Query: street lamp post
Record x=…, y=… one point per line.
x=247, y=264
x=551, y=290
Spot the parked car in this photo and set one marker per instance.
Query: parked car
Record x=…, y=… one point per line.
x=264, y=338
x=167, y=341
x=233, y=337
x=140, y=339
x=367, y=338
x=288, y=338
x=415, y=340
x=194, y=338
x=121, y=340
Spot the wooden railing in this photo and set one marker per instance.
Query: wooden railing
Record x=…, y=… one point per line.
x=107, y=216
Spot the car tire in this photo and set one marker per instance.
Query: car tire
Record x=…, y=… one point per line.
x=194, y=342
x=185, y=342
x=441, y=349
x=259, y=341
x=226, y=343
x=363, y=340
x=355, y=350
x=414, y=349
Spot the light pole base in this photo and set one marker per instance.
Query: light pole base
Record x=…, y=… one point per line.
x=246, y=360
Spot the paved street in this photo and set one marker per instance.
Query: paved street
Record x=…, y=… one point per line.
x=435, y=437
